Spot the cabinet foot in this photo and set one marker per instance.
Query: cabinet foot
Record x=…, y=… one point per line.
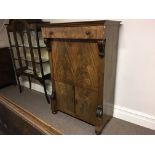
x=98, y=132
x=102, y=123
x=54, y=112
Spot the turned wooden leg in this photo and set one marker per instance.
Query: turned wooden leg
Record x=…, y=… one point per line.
x=19, y=85
x=101, y=120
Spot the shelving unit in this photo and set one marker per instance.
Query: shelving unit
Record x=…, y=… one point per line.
x=27, y=50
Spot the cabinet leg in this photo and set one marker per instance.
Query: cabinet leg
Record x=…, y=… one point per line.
x=29, y=82
x=101, y=123
x=101, y=120
x=53, y=107
x=53, y=103
x=99, y=126
x=19, y=85
x=46, y=95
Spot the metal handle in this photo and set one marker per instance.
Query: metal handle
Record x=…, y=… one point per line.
x=51, y=33
x=101, y=47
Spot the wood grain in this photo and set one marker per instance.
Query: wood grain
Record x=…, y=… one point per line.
x=84, y=32
x=19, y=121
x=65, y=97
x=76, y=63
x=62, y=62
x=76, y=72
x=86, y=65
x=87, y=77
x=86, y=102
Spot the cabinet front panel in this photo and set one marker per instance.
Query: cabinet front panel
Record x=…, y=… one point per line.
x=76, y=63
x=62, y=62
x=86, y=65
x=76, y=76
x=86, y=103
x=84, y=32
x=65, y=97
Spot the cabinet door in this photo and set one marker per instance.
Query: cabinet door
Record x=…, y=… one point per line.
x=75, y=66
x=86, y=70
x=86, y=103
x=86, y=81
x=62, y=62
x=65, y=97
x=63, y=76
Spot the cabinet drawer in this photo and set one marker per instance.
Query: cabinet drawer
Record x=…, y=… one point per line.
x=91, y=32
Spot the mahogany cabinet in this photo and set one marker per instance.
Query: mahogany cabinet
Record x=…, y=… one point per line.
x=7, y=74
x=29, y=51
x=83, y=58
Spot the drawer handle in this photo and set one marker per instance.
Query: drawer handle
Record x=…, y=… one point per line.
x=88, y=33
x=51, y=33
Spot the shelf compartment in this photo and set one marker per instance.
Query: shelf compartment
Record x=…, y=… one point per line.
x=35, y=59
x=29, y=70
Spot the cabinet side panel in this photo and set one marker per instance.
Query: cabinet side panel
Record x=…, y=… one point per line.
x=112, y=36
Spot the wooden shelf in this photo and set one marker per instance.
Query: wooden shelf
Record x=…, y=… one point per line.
x=25, y=44
x=35, y=59
x=30, y=71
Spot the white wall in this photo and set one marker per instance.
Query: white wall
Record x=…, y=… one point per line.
x=135, y=87
x=135, y=82
x=3, y=34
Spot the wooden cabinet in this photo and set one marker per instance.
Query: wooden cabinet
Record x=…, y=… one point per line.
x=83, y=59
x=7, y=75
x=29, y=51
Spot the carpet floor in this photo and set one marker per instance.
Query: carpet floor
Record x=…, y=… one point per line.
x=35, y=102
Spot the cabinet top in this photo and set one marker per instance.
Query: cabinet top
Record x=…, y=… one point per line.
x=21, y=24
x=83, y=23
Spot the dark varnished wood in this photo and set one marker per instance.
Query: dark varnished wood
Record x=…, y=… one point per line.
x=83, y=23
x=65, y=97
x=85, y=32
x=62, y=62
x=75, y=63
x=16, y=120
x=21, y=28
x=85, y=108
x=7, y=74
x=83, y=57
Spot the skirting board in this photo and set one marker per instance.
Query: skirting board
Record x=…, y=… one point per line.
x=133, y=116
x=123, y=113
